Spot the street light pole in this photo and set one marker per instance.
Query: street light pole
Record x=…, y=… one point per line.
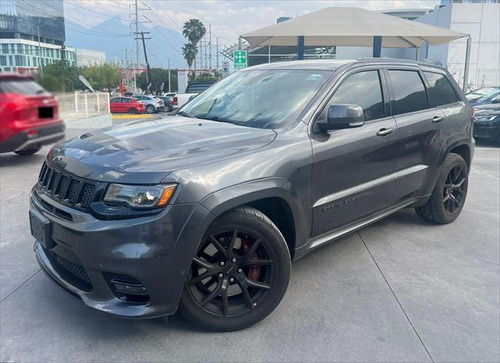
x=39, y=51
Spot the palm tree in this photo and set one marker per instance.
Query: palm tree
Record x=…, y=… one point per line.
x=194, y=30
x=189, y=53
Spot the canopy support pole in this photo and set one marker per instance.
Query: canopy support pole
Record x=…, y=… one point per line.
x=467, y=62
x=377, y=46
x=300, y=47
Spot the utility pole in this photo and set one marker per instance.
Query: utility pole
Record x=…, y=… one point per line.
x=201, y=53
x=63, y=66
x=169, y=79
x=217, y=52
x=138, y=64
x=206, y=62
x=148, y=70
x=210, y=46
x=39, y=50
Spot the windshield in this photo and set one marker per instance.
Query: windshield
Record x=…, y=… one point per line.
x=260, y=98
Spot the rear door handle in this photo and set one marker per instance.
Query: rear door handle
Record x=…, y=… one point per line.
x=385, y=132
x=437, y=118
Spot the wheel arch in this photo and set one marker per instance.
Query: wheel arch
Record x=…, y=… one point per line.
x=273, y=197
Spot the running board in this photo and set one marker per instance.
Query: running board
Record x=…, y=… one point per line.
x=330, y=236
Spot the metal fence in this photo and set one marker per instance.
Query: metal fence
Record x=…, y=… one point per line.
x=80, y=105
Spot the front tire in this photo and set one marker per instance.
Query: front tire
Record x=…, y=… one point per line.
x=239, y=273
x=448, y=197
x=27, y=152
x=150, y=109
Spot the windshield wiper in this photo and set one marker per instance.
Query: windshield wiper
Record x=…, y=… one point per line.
x=186, y=114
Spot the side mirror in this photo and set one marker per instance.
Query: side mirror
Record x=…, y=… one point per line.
x=342, y=116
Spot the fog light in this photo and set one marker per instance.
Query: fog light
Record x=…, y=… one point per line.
x=129, y=289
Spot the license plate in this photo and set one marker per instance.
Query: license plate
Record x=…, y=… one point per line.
x=46, y=112
x=41, y=229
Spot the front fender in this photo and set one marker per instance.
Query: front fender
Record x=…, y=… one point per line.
x=245, y=193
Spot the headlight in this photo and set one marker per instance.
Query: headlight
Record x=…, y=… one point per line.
x=140, y=196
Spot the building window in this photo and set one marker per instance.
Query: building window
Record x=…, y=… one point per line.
x=19, y=61
x=11, y=60
x=19, y=49
x=12, y=51
x=3, y=60
x=35, y=62
x=5, y=49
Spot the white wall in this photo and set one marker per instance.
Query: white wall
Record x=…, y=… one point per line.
x=482, y=22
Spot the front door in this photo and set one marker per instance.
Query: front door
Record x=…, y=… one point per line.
x=354, y=169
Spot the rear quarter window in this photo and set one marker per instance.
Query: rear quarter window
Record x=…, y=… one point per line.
x=441, y=91
x=409, y=92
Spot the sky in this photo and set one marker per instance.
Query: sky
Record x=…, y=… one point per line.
x=228, y=19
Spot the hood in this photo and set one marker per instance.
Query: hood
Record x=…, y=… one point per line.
x=147, y=151
x=490, y=108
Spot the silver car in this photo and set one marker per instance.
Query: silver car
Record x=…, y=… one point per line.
x=152, y=103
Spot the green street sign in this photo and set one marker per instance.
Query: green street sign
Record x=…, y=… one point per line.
x=240, y=59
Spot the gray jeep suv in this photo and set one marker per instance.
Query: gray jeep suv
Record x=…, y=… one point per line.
x=204, y=211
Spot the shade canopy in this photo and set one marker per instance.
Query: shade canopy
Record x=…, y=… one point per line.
x=350, y=27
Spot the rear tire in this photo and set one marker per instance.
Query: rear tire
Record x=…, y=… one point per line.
x=448, y=197
x=150, y=109
x=27, y=152
x=133, y=111
x=244, y=255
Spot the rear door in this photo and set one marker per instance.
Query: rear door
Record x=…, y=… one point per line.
x=353, y=170
x=421, y=129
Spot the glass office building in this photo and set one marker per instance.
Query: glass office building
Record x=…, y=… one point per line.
x=32, y=34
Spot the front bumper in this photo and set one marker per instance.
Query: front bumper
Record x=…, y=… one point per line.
x=487, y=129
x=87, y=255
x=24, y=140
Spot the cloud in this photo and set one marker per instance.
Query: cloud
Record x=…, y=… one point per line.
x=229, y=19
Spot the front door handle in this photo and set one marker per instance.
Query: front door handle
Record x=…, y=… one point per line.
x=385, y=132
x=437, y=119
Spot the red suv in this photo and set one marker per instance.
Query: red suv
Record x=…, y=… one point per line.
x=126, y=104
x=29, y=115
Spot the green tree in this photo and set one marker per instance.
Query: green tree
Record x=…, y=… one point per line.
x=103, y=76
x=52, y=77
x=189, y=53
x=159, y=76
x=194, y=30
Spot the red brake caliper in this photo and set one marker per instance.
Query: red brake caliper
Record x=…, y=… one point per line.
x=254, y=270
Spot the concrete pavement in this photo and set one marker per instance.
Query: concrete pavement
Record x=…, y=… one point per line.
x=400, y=290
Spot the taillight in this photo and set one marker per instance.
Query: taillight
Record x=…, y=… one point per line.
x=174, y=101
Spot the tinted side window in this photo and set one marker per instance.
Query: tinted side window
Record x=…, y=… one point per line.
x=440, y=90
x=361, y=89
x=409, y=92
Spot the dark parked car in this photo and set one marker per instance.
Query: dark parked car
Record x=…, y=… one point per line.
x=167, y=101
x=483, y=95
x=487, y=120
x=29, y=115
x=204, y=211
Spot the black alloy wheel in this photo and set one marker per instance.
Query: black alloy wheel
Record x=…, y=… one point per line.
x=454, y=189
x=448, y=197
x=239, y=273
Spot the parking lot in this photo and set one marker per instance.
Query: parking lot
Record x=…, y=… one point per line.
x=398, y=290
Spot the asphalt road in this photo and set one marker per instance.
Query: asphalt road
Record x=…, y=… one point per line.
x=400, y=290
